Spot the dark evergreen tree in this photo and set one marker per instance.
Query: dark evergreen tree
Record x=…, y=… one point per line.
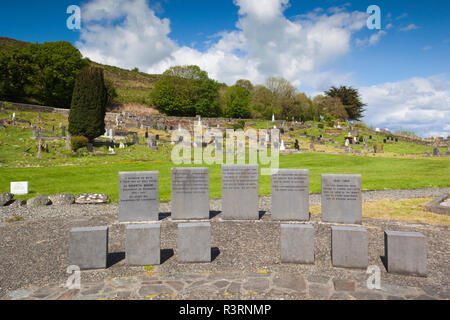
x=88, y=108
x=350, y=99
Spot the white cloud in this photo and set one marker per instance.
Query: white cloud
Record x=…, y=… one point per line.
x=418, y=104
x=426, y=48
x=372, y=40
x=410, y=27
x=265, y=43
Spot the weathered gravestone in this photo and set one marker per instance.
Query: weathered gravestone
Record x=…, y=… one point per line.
x=349, y=247
x=19, y=187
x=138, y=196
x=297, y=243
x=190, y=193
x=88, y=247
x=143, y=244
x=405, y=252
x=240, y=192
x=341, y=198
x=290, y=194
x=194, y=242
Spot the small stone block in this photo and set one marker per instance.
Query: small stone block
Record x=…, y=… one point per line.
x=19, y=188
x=88, y=247
x=143, y=244
x=405, y=253
x=194, y=242
x=297, y=243
x=349, y=247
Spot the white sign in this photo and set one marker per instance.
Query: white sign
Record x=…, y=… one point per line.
x=19, y=187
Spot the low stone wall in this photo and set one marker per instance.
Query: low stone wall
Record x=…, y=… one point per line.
x=35, y=108
x=434, y=206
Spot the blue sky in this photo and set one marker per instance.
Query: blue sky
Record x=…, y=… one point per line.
x=402, y=70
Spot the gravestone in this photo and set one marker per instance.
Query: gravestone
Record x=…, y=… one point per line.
x=240, y=192
x=143, y=244
x=138, y=196
x=341, y=198
x=297, y=243
x=194, y=242
x=88, y=247
x=19, y=188
x=63, y=131
x=190, y=193
x=349, y=247
x=290, y=194
x=405, y=252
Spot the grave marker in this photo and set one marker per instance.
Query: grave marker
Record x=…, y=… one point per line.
x=138, y=196
x=190, y=193
x=143, y=244
x=240, y=192
x=341, y=198
x=290, y=194
x=88, y=247
x=19, y=188
x=194, y=242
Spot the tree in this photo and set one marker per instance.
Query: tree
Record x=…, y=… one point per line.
x=246, y=84
x=88, y=108
x=237, y=101
x=186, y=91
x=332, y=106
x=350, y=99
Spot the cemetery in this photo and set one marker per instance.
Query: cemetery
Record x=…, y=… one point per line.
x=139, y=227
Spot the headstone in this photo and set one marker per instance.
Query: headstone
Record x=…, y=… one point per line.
x=143, y=244
x=297, y=243
x=194, y=242
x=63, y=131
x=341, y=198
x=240, y=192
x=19, y=188
x=190, y=193
x=349, y=247
x=88, y=247
x=138, y=196
x=282, y=147
x=34, y=131
x=405, y=252
x=290, y=194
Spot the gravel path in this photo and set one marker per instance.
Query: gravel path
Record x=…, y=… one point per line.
x=33, y=259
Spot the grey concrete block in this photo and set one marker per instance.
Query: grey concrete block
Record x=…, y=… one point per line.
x=190, y=193
x=297, y=243
x=138, y=196
x=143, y=244
x=349, y=247
x=405, y=252
x=341, y=198
x=88, y=247
x=290, y=194
x=194, y=242
x=240, y=192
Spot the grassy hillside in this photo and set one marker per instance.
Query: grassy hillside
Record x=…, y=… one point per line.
x=131, y=86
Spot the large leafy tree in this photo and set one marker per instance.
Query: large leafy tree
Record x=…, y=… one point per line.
x=237, y=100
x=351, y=100
x=44, y=73
x=332, y=106
x=186, y=91
x=88, y=108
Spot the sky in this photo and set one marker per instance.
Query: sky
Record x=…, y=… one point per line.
x=401, y=70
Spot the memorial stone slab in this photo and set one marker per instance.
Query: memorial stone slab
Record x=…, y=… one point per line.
x=349, y=247
x=138, y=196
x=190, y=193
x=297, y=243
x=143, y=244
x=88, y=247
x=290, y=194
x=240, y=192
x=19, y=188
x=341, y=198
x=194, y=242
x=405, y=253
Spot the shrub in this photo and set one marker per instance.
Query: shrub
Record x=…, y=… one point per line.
x=78, y=142
x=239, y=125
x=320, y=126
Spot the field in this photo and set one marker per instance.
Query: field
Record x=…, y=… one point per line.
x=402, y=166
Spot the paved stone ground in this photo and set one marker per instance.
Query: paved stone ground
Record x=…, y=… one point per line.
x=246, y=264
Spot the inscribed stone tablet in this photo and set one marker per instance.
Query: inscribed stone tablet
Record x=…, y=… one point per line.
x=19, y=187
x=138, y=196
x=290, y=194
x=341, y=198
x=240, y=192
x=190, y=193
